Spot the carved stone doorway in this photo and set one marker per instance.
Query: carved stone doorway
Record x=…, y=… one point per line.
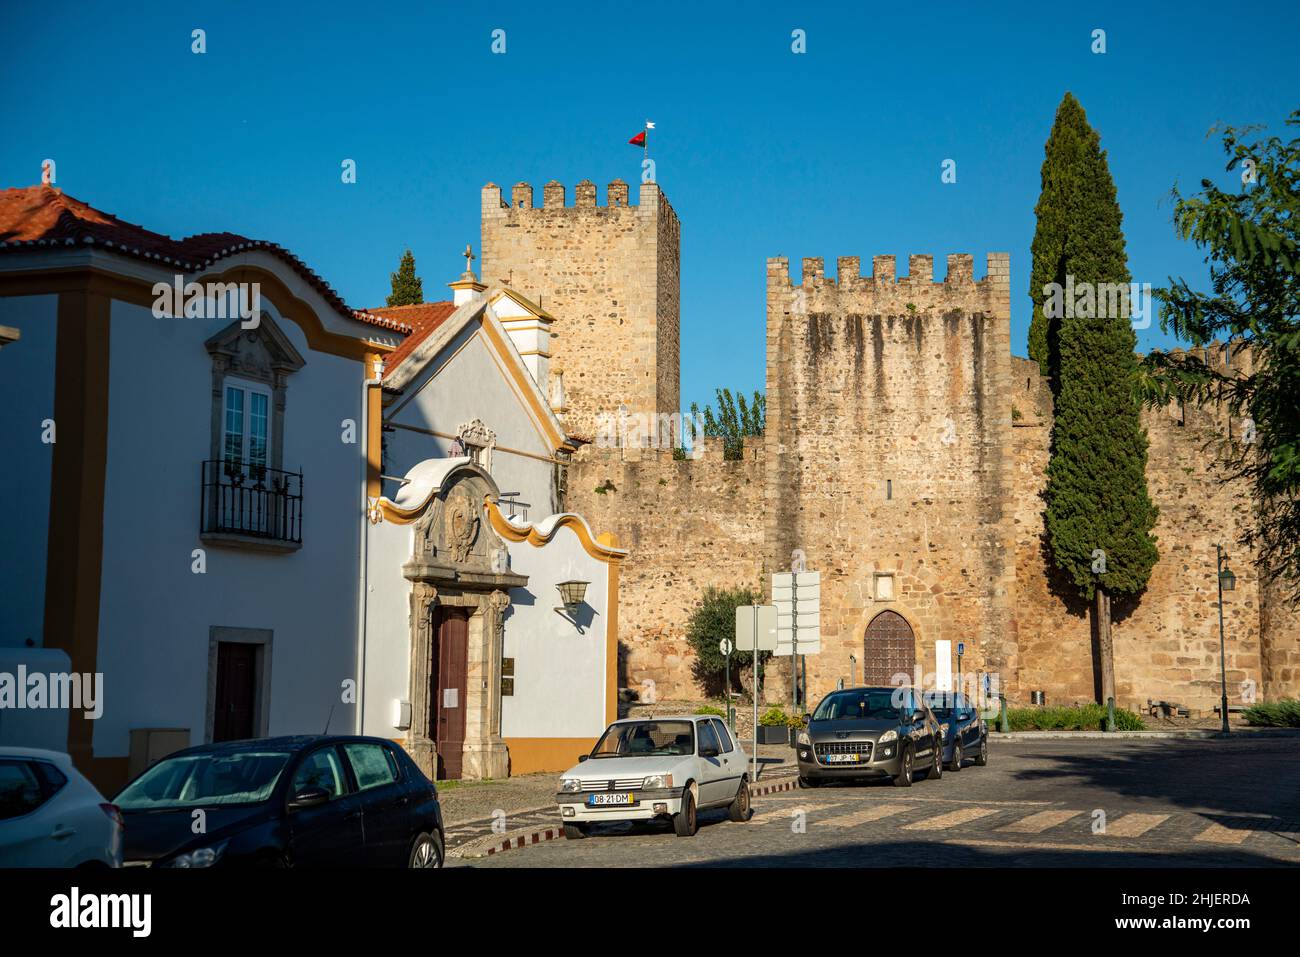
x=460, y=582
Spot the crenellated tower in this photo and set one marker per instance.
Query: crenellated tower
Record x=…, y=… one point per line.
x=610, y=276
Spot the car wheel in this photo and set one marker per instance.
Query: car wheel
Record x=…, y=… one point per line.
x=684, y=822
x=903, y=779
x=957, y=757
x=936, y=772
x=740, y=809
x=574, y=832
x=982, y=758
x=426, y=852
x=809, y=782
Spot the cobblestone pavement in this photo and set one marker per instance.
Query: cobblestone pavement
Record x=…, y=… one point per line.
x=1058, y=803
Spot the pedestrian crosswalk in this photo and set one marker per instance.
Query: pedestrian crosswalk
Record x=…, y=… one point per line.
x=951, y=818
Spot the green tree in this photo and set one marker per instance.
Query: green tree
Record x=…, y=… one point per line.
x=711, y=621
x=734, y=420
x=1099, y=513
x=1250, y=234
x=408, y=290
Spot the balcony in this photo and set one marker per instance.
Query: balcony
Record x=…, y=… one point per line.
x=251, y=506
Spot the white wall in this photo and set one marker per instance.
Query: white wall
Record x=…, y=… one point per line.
x=559, y=673
x=26, y=399
x=155, y=613
x=388, y=642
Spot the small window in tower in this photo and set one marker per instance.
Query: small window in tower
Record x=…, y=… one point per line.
x=889, y=489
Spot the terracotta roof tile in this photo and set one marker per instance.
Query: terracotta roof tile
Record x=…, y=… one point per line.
x=43, y=216
x=423, y=319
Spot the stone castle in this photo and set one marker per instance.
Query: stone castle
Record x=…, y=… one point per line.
x=904, y=454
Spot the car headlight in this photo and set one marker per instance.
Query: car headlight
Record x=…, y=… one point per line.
x=203, y=857
x=658, y=781
x=802, y=738
x=890, y=735
x=943, y=729
x=570, y=784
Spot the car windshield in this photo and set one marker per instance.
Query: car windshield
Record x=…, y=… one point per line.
x=202, y=780
x=642, y=738
x=873, y=703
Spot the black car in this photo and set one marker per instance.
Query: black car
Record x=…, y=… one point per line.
x=322, y=801
x=965, y=735
x=870, y=733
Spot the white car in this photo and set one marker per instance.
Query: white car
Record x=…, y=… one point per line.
x=51, y=816
x=645, y=769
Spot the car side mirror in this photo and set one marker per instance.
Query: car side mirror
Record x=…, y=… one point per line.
x=309, y=797
x=583, y=757
x=807, y=719
x=708, y=752
x=918, y=716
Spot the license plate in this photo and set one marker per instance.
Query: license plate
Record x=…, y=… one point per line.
x=610, y=800
x=842, y=758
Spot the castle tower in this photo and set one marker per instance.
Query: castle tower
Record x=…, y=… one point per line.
x=610, y=276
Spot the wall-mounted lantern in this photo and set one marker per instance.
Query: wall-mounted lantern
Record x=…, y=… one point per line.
x=572, y=594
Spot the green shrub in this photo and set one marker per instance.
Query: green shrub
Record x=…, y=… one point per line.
x=1088, y=717
x=710, y=709
x=1284, y=713
x=774, y=717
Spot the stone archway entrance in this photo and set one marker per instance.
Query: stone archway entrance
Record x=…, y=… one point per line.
x=889, y=648
x=460, y=583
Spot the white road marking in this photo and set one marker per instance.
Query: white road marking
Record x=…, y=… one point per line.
x=951, y=819
x=1037, y=823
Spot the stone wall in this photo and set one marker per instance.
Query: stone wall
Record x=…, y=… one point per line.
x=688, y=524
x=610, y=276
x=887, y=436
x=1167, y=639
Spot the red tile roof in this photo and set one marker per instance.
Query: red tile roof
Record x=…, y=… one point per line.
x=43, y=216
x=423, y=318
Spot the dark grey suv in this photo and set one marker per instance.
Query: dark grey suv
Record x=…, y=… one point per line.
x=870, y=733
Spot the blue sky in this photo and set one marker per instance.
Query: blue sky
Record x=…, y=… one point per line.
x=762, y=152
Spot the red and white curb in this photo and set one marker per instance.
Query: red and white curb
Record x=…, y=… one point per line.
x=473, y=849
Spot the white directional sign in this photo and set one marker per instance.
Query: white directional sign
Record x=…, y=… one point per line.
x=798, y=603
x=755, y=622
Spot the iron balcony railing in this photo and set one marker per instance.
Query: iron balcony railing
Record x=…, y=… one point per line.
x=247, y=499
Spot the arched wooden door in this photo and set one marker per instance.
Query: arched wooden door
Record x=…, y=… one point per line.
x=888, y=649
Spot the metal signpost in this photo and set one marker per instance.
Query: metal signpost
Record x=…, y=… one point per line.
x=725, y=646
x=961, y=650
x=755, y=632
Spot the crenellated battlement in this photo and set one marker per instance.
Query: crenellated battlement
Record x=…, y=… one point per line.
x=920, y=273
x=522, y=200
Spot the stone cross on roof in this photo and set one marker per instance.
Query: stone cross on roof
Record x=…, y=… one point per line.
x=469, y=259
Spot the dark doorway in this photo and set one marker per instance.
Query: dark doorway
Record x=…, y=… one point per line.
x=450, y=664
x=889, y=649
x=235, y=703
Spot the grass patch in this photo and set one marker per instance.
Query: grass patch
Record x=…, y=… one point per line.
x=1284, y=713
x=1088, y=717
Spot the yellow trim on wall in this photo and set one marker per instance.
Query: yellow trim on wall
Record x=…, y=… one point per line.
x=537, y=755
x=603, y=547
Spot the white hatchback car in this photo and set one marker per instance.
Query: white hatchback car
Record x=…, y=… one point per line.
x=654, y=768
x=51, y=816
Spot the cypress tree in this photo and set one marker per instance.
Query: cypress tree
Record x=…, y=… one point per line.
x=407, y=288
x=1099, y=514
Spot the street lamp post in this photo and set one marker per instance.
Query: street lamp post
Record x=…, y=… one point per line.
x=1227, y=582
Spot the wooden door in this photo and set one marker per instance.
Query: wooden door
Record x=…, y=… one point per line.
x=451, y=656
x=889, y=649
x=236, y=691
